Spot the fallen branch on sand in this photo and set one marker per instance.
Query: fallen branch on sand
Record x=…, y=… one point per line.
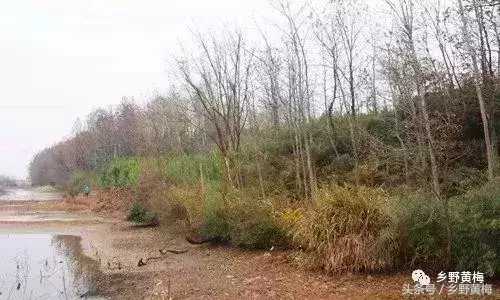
x=165, y=251
x=143, y=262
x=152, y=223
x=198, y=240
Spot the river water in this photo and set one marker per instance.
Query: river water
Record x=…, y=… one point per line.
x=43, y=266
x=27, y=195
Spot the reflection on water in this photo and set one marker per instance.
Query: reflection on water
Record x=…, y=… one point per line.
x=42, y=267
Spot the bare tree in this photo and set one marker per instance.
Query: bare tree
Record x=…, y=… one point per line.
x=219, y=81
x=271, y=66
x=405, y=15
x=300, y=95
x=477, y=84
x=340, y=38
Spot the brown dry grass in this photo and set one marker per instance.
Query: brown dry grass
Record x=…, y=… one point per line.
x=343, y=233
x=114, y=202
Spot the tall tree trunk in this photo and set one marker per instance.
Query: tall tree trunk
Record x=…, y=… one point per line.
x=374, y=87
x=227, y=168
x=426, y=122
x=310, y=168
x=296, y=155
x=350, y=121
x=398, y=136
x=351, y=88
x=303, y=161
x=329, y=112
x=479, y=93
x=496, y=93
x=261, y=181
x=202, y=181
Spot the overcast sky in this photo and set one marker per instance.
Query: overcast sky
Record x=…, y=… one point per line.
x=59, y=59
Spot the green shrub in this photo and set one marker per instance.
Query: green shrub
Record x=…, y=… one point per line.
x=186, y=168
x=78, y=180
x=418, y=226
x=344, y=231
x=243, y=221
x=476, y=229
x=139, y=215
x=381, y=126
x=216, y=225
x=121, y=172
x=261, y=233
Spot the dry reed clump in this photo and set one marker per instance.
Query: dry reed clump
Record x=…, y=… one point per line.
x=155, y=196
x=346, y=230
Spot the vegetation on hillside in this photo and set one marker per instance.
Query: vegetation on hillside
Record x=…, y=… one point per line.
x=364, y=156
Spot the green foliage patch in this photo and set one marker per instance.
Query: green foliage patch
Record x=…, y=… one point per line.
x=418, y=226
x=476, y=229
x=139, y=215
x=120, y=172
x=186, y=168
x=78, y=180
x=244, y=222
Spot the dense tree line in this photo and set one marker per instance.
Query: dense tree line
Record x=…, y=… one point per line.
x=158, y=129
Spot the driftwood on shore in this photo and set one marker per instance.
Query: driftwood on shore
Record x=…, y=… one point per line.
x=152, y=223
x=174, y=251
x=144, y=261
x=198, y=240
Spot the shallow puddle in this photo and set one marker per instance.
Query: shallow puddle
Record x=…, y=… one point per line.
x=45, y=266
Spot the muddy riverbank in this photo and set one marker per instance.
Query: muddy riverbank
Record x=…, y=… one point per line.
x=203, y=272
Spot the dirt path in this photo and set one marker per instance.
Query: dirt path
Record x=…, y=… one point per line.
x=204, y=272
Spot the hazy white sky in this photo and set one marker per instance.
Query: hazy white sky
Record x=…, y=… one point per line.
x=59, y=59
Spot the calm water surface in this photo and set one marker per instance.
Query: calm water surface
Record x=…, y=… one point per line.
x=45, y=266
x=18, y=194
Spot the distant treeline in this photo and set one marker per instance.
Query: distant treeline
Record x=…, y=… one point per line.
x=6, y=181
x=160, y=128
